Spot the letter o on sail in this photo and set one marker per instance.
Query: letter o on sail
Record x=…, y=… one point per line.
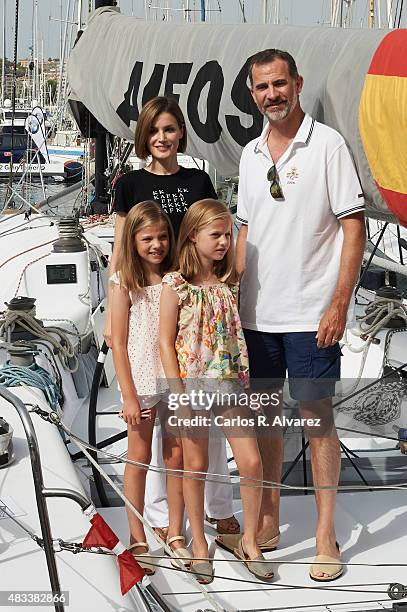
x=383, y=121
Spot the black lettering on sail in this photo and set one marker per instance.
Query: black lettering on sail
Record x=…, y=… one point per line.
x=153, y=86
x=176, y=73
x=128, y=109
x=243, y=100
x=211, y=130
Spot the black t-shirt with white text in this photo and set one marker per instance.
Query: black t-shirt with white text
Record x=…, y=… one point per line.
x=174, y=192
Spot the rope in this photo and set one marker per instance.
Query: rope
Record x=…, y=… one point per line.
x=30, y=263
x=134, y=510
x=196, y=475
x=381, y=310
x=32, y=376
x=62, y=345
x=26, y=251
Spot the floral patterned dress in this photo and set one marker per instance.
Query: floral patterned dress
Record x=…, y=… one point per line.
x=210, y=343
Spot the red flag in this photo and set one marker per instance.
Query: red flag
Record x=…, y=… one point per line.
x=130, y=571
x=100, y=534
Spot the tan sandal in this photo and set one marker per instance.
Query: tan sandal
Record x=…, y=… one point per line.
x=230, y=542
x=180, y=553
x=327, y=565
x=229, y=525
x=144, y=559
x=259, y=567
x=203, y=571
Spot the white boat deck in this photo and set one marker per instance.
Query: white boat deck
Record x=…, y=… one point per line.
x=371, y=529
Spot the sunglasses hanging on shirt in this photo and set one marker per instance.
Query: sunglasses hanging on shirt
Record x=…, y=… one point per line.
x=275, y=188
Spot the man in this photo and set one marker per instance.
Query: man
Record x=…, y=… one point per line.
x=299, y=248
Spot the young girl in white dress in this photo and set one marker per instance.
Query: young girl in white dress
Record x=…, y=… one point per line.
x=147, y=252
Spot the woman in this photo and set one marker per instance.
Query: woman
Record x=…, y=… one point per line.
x=161, y=134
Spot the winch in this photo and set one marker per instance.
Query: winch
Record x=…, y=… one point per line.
x=12, y=326
x=70, y=236
x=6, y=443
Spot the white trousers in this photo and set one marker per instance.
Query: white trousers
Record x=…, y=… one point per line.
x=218, y=494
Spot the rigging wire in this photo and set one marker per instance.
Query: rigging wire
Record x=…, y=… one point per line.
x=313, y=607
x=76, y=548
x=241, y=4
x=55, y=419
x=400, y=13
x=196, y=475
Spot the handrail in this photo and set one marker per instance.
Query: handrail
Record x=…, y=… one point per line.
x=41, y=493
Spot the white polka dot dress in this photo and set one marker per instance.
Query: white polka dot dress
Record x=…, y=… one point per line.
x=143, y=340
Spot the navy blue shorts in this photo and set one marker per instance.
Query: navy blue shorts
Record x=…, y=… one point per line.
x=312, y=371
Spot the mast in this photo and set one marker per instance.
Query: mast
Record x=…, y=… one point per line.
x=79, y=20
x=13, y=97
x=42, y=82
x=187, y=12
x=390, y=13
x=379, y=14
x=35, y=83
x=265, y=11
x=61, y=66
x=334, y=13
x=3, y=64
x=276, y=12
x=102, y=135
x=371, y=17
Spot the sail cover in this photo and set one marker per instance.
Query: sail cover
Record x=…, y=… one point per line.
x=351, y=82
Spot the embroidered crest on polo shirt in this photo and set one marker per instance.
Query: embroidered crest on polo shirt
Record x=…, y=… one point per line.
x=292, y=176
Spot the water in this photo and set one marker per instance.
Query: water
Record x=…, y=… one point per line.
x=32, y=193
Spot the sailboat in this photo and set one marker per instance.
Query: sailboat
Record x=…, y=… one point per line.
x=71, y=421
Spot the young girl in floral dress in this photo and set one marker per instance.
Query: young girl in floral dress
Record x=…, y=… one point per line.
x=203, y=348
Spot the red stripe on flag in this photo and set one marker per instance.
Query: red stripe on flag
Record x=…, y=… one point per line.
x=397, y=203
x=390, y=58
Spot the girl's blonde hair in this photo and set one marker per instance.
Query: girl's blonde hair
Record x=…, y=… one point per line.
x=148, y=114
x=198, y=216
x=130, y=264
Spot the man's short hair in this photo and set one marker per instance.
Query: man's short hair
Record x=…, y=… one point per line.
x=269, y=55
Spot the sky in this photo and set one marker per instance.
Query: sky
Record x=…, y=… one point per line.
x=52, y=15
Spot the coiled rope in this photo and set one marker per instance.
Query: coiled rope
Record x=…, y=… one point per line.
x=26, y=319
x=379, y=312
x=32, y=376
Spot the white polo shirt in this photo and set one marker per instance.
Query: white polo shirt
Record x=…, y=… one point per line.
x=294, y=244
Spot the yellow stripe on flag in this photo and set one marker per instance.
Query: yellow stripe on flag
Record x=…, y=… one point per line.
x=383, y=128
